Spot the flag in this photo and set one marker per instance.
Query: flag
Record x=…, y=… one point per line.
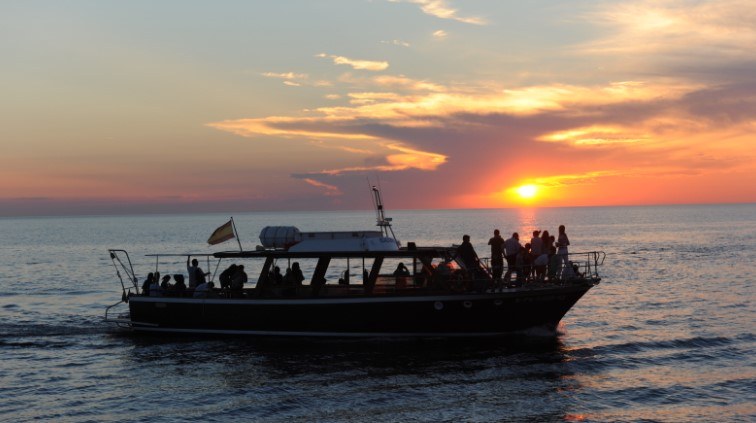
x=223, y=233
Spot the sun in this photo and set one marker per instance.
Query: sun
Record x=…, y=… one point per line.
x=527, y=191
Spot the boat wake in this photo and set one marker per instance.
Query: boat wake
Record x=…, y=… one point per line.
x=23, y=333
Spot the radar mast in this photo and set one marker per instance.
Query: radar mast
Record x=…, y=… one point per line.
x=383, y=222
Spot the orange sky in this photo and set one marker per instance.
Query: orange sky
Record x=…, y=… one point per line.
x=138, y=107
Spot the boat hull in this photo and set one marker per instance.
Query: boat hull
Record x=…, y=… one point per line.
x=486, y=314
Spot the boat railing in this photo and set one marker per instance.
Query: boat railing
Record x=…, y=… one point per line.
x=588, y=263
x=122, y=262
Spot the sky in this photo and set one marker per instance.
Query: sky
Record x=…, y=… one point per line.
x=229, y=106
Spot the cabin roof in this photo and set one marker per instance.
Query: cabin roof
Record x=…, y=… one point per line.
x=403, y=252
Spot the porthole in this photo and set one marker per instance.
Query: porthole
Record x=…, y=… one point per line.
x=467, y=304
x=498, y=303
x=438, y=305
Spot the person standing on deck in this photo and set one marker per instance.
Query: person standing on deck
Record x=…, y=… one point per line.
x=536, y=248
x=467, y=254
x=511, y=248
x=196, y=275
x=562, y=242
x=497, y=254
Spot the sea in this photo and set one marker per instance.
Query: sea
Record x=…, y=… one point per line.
x=667, y=336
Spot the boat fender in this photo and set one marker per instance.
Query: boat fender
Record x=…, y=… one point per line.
x=467, y=304
x=438, y=305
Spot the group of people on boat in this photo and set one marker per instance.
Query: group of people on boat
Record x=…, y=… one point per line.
x=288, y=281
x=545, y=257
x=154, y=286
x=292, y=277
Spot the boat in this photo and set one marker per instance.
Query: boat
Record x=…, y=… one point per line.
x=351, y=290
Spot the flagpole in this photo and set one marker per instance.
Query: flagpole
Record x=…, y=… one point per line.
x=233, y=225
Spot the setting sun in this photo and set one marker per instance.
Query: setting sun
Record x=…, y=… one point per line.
x=527, y=191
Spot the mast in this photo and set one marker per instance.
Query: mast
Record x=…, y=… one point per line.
x=383, y=222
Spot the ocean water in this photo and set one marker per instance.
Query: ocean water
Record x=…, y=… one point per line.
x=667, y=336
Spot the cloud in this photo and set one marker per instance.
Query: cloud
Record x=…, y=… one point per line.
x=645, y=128
x=388, y=117
x=597, y=135
x=442, y=10
x=399, y=43
x=348, y=149
x=585, y=178
x=440, y=34
x=285, y=75
x=406, y=158
x=356, y=64
x=286, y=127
x=290, y=78
x=394, y=82
x=294, y=79
x=702, y=31
x=328, y=190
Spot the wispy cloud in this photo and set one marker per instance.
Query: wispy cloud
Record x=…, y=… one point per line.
x=597, y=135
x=356, y=64
x=394, y=82
x=294, y=79
x=285, y=75
x=397, y=43
x=405, y=158
x=440, y=34
x=328, y=190
x=442, y=10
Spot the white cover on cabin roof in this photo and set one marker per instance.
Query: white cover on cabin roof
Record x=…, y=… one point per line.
x=290, y=238
x=279, y=236
x=344, y=241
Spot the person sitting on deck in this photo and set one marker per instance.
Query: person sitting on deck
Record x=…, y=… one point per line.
x=147, y=283
x=155, y=288
x=203, y=290
x=344, y=279
x=292, y=279
x=401, y=273
x=164, y=284
x=572, y=271
x=296, y=274
x=179, y=286
x=276, y=278
x=441, y=275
